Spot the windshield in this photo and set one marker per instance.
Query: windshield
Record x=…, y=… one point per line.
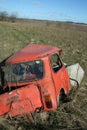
x=27, y=71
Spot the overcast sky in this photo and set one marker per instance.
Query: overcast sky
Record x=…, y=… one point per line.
x=58, y=10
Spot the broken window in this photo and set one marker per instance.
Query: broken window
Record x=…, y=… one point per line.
x=27, y=71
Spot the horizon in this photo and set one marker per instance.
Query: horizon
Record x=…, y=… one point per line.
x=53, y=10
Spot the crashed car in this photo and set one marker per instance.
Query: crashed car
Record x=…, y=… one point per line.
x=33, y=80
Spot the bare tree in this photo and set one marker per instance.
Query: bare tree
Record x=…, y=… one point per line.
x=3, y=15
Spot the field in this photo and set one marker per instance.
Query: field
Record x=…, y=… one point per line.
x=72, y=38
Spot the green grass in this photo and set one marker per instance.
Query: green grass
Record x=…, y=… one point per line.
x=72, y=39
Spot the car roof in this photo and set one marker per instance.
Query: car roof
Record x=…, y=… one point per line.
x=32, y=52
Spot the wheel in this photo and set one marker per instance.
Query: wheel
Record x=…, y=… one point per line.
x=62, y=97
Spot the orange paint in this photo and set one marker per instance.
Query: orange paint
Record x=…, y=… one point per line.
x=38, y=90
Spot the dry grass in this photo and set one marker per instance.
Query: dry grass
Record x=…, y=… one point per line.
x=72, y=39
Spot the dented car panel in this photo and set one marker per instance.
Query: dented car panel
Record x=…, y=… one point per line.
x=20, y=101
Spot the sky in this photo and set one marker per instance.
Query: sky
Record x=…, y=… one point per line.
x=56, y=10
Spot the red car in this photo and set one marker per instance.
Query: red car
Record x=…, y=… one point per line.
x=32, y=80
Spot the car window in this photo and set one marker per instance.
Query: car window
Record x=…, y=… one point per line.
x=27, y=71
x=55, y=62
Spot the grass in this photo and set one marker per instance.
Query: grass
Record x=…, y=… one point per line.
x=72, y=39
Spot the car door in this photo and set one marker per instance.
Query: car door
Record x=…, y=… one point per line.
x=58, y=71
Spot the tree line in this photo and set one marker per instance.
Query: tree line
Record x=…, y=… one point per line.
x=4, y=16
